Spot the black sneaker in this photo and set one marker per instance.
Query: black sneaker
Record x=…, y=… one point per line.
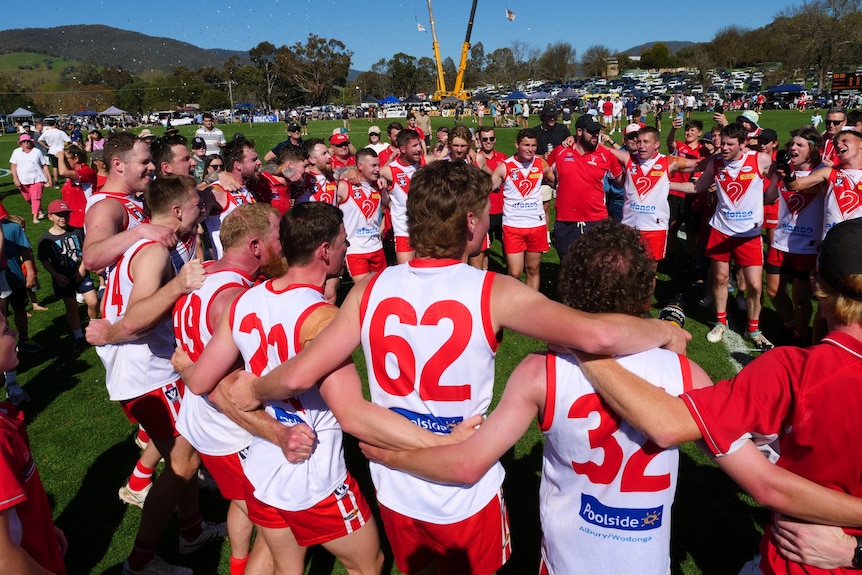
x=79, y=345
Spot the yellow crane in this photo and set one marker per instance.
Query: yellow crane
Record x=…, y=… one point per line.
x=458, y=91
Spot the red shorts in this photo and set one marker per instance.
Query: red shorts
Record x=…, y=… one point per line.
x=402, y=244
x=157, y=410
x=770, y=216
x=479, y=545
x=746, y=251
x=340, y=514
x=227, y=472
x=778, y=261
x=655, y=242
x=359, y=264
x=517, y=240
x=259, y=512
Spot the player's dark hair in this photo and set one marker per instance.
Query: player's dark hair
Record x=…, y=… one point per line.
x=304, y=227
x=292, y=154
x=526, y=133
x=365, y=153
x=118, y=145
x=309, y=145
x=694, y=124
x=607, y=271
x=405, y=136
x=735, y=131
x=234, y=151
x=162, y=149
x=814, y=139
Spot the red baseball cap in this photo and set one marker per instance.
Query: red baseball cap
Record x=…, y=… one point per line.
x=58, y=206
x=337, y=139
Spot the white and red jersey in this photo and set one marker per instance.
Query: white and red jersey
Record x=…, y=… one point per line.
x=800, y=219
x=266, y=325
x=363, y=216
x=137, y=367
x=22, y=495
x=843, y=200
x=208, y=430
x=430, y=358
x=615, y=486
x=213, y=221
x=810, y=399
x=401, y=176
x=522, y=195
x=319, y=188
x=739, y=190
x=133, y=206
x=646, y=189
x=828, y=151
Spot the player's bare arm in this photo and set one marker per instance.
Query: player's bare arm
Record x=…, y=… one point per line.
x=466, y=463
x=153, y=296
x=105, y=243
x=818, y=177
x=13, y=559
x=531, y=313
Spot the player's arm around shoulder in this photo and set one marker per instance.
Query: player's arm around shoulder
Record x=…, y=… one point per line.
x=467, y=462
x=818, y=177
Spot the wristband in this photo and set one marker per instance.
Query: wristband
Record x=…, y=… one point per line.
x=857, y=553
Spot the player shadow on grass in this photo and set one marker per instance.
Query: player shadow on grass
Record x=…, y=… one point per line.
x=521, y=491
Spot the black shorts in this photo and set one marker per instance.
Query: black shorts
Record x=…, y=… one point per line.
x=54, y=161
x=678, y=208
x=495, y=230
x=19, y=298
x=70, y=289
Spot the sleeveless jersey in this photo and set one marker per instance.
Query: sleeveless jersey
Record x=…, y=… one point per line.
x=800, y=219
x=401, y=176
x=646, y=189
x=522, y=196
x=616, y=487
x=208, y=430
x=266, y=325
x=362, y=218
x=213, y=221
x=319, y=188
x=140, y=366
x=134, y=207
x=739, y=189
x=431, y=360
x=843, y=199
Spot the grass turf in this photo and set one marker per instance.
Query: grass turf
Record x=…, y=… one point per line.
x=84, y=446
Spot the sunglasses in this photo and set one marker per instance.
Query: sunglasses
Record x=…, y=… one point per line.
x=491, y=139
x=344, y=145
x=217, y=166
x=833, y=122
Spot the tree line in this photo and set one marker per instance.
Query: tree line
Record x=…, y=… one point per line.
x=818, y=35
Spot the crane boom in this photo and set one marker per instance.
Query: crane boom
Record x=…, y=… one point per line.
x=441, y=91
x=465, y=50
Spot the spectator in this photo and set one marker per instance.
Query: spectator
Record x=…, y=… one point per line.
x=30, y=174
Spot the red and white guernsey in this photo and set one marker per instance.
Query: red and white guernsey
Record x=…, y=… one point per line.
x=430, y=359
x=134, y=207
x=606, y=492
x=266, y=324
x=401, y=176
x=213, y=221
x=319, y=188
x=646, y=189
x=522, y=196
x=143, y=365
x=362, y=218
x=208, y=430
x=739, y=189
x=800, y=219
x=843, y=199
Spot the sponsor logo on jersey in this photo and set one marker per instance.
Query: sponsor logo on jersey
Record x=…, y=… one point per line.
x=431, y=422
x=341, y=491
x=285, y=417
x=746, y=176
x=627, y=519
x=172, y=393
x=746, y=169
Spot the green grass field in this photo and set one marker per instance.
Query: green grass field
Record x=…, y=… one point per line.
x=84, y=446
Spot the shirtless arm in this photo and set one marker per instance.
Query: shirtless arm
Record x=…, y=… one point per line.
x=153, y=296
x=517, y=307
x=105, y=241
x=467, y=462
x=818, y=177
x=14, y=559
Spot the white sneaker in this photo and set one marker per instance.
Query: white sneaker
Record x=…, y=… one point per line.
x=132, y=497
x=759, y=340
x=716, y=334
x=157, y=566
x=209, y=532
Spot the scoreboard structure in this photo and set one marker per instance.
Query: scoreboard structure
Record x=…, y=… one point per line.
x=846, y=81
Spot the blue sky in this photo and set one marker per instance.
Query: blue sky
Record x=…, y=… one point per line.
x=374, y=29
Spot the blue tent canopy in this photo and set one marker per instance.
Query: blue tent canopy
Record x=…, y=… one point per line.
x=86, y=113
x=787, y=88
x=516, y=95
x=390, y=99
x=244, y=106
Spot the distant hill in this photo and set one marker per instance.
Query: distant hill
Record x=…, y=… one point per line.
x=104, y=45
x=672, y=46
